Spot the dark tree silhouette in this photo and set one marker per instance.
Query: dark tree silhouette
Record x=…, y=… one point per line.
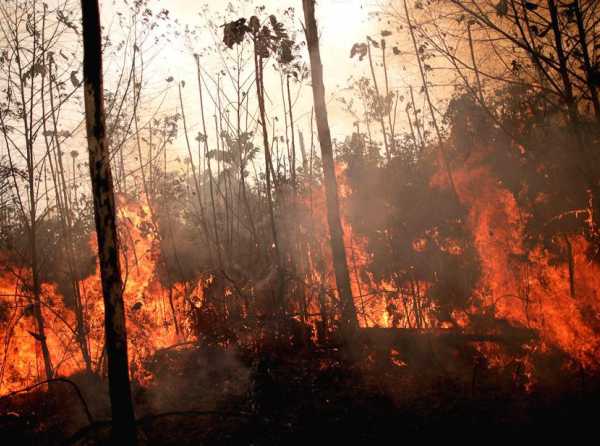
x=342, y=277
x=123, y=418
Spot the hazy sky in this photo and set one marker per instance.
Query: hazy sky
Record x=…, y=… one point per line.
x=341, y=22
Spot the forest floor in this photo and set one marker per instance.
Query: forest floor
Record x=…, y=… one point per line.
x=211, y=396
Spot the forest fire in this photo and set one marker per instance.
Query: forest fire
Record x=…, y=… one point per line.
x=150, y=321
x=271, y=242
x=528, y=287
x=524, y=288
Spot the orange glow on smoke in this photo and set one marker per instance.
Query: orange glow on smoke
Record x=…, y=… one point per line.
x=523, y=287
x=150, y=321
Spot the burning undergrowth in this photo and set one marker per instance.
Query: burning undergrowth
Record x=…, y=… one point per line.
x=464, y=263
x=472, y=291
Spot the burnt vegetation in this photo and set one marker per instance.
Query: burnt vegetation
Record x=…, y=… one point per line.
x=413, y=254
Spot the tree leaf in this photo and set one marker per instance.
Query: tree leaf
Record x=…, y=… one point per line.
x=76, y=82
x=360, y=49
x=234, y=32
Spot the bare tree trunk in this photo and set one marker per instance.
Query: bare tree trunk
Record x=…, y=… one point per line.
x=260, y=93
x=340, y=264
x=571, y=264
x=208, y=165
x=303, y=153
x=269, y=170
x=37, y=301
x=474, y=60
x=380, y=118
x=392, y=140
x=293, y=137
x=195, y=177
x=32, y=229
x=422, y=141
x=66, y=219
x=123, y=418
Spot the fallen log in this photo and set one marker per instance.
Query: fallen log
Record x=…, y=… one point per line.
x=438, y=348
x=404, y=337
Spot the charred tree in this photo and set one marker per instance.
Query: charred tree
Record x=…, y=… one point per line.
x=123, y=419
x=342, y=276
